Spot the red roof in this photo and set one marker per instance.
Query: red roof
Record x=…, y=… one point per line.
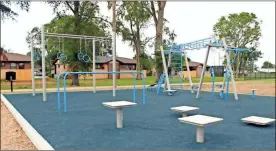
x=15, y=57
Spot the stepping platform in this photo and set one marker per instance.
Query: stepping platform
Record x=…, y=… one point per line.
x=170, y=92
x=184, y=109
x=258, y=120
x=200, y=121
x=195, y=86
x=119, y=105
x=218, y=85
x=253, y=93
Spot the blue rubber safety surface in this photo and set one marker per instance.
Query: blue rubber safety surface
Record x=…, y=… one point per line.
x=89, y=125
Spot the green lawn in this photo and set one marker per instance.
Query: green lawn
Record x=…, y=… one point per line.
x=51, y=83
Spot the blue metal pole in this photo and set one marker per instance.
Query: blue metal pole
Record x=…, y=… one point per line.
x=227, y=85
x=58, y=89
x=134, y=89
x=66, y=73
x=253, y=94
x=64, y=93
x=58, y=94
x=213, y=83
x=144, y=88
x=181, y=71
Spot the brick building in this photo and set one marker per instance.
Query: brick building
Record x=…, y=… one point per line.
x=103, y=64
x=21, y=64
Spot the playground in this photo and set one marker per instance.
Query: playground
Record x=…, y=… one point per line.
x=146, y=126
x=184, y=105
x=150, y=119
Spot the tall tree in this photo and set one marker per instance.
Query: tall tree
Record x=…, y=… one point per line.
x=240, y=30
x=268, y=64
x=157, y=11
x=85, y=13
x=132, y=20
x=71, y=47
x=8, y=13
x=146, y=61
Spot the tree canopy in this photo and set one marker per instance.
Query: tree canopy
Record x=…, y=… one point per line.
x=132, y=20
x=241, y=30
x=267, y=65
x=8, y=13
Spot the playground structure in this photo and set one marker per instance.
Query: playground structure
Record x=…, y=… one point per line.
x=142, y=117
x=199, y=44
x=65, y=74
x=63, y=57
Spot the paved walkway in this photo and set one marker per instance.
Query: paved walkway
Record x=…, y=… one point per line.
x=91, y=88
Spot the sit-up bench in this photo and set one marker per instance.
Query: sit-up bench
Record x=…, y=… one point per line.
x=170, y=92
x=184, y=109
x=258, y=120
x=119, y=105
x=200, y=121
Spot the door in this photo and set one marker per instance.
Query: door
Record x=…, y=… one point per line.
x=110, y=69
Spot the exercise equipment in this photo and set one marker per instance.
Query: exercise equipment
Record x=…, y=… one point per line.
x=65, y=74
x=253, y=93
x=175, y=65
x=83, y=56
x=227, y=76
x=209, y=43
x=60, y=55
x=167, y=82
x=44, y=34
x=80, y=54
x=37, y=56
x=160, y=84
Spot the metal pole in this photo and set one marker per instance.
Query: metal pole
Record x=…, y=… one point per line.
x=230, y=70
x=169, y=66
x=181, y=72
x=43, y=63
x=203, y=70
x=165, y=68
x=224, y=80
x=11, y=83
x=114, y=46
x=75, y=36
x=94, y=66
x=32, y=66
x=189, y=73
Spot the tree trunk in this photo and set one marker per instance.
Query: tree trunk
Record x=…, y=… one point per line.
x=241, y=65
x=138, y=66
x=237, y=61
x=159, y=38
x=75, y=79
x=245, y=65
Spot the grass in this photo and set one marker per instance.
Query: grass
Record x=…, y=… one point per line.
x=51, y=83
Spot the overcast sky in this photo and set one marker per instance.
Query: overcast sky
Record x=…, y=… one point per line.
x=190, y=20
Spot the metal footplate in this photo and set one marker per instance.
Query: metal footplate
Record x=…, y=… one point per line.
x=170, y=92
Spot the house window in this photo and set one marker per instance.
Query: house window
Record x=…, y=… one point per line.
x=123, y=66
x=99, y=66
x=13, y=65
x=131, y=67
x=21, y=66
x=2, y=64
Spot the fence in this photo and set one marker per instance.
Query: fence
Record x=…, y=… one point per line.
x=259, y=75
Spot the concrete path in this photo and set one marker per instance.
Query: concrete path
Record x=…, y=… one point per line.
x=70, y=89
